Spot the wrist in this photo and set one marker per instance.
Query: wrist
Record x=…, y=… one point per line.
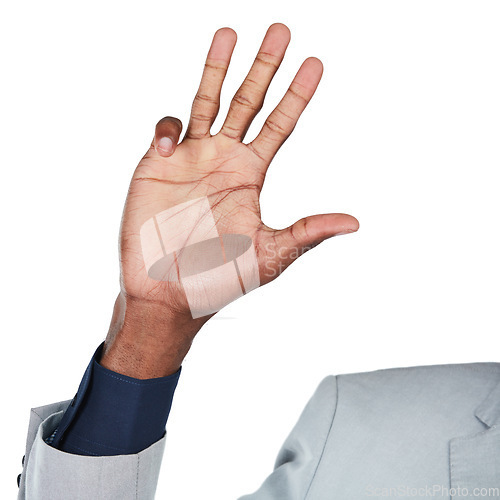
x=146, y=339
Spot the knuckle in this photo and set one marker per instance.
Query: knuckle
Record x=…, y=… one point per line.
x=268, y=60
x=276, y=127
x=233, y=136
x=215, y=67
x=246, y=102
x=287, y=117
x=201, y=117
x=295, y=93
x=206, y=98
x=257, y=152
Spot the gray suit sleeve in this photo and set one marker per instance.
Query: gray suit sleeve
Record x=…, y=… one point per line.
x=52, y=474
x=301, y=453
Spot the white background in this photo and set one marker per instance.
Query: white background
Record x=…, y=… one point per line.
x=403, y=133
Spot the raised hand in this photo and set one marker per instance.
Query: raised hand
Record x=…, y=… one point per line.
x=207, y=188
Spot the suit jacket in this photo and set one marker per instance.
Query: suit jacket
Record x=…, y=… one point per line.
x=431, y=431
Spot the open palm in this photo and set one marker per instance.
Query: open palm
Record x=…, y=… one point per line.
x=228, y=172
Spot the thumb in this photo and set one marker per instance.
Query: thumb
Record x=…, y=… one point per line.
x=308, y=232
x=167, y=133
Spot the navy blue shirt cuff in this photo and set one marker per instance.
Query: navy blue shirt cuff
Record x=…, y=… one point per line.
x=113, y=414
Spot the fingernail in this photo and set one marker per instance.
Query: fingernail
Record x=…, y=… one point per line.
x=165, y=145
x=347, y=231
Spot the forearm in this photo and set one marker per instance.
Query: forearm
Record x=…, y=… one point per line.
x=123, y=402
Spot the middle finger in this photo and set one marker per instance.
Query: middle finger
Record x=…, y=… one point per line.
x=249, y=98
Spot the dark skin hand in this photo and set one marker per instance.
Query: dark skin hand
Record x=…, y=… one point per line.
x=152, y=329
